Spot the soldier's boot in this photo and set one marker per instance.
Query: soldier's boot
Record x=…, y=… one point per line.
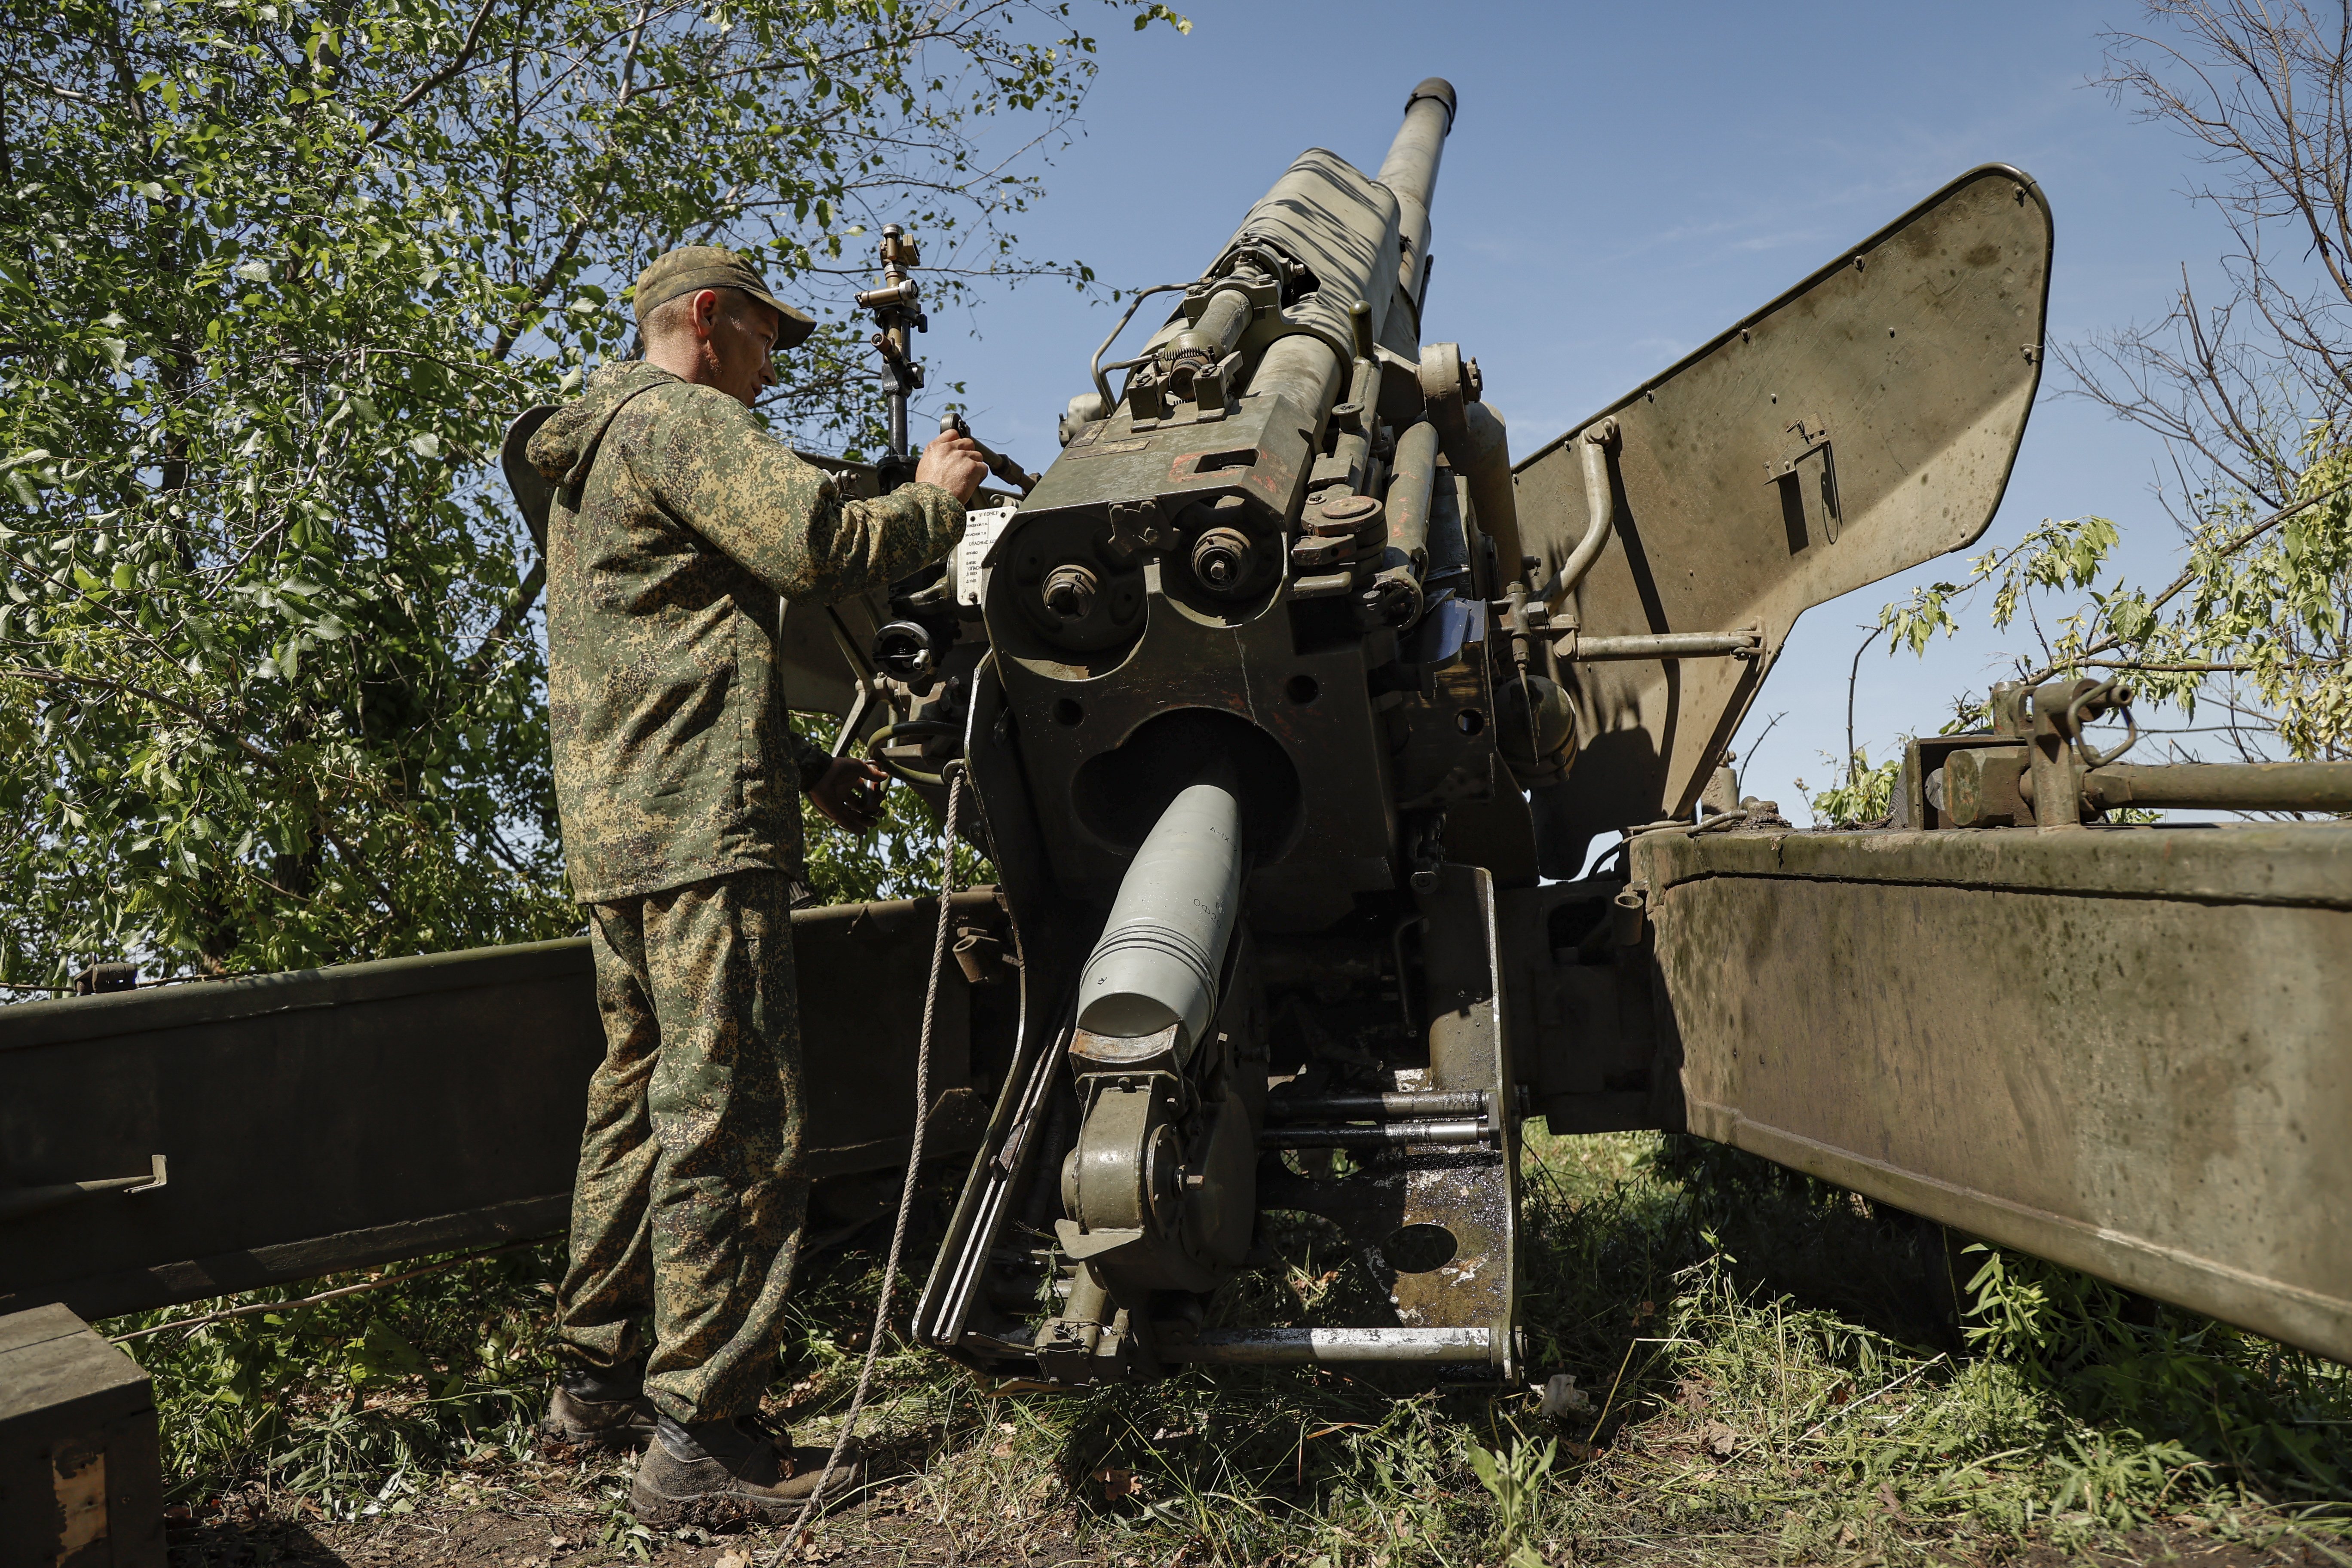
x=602, y=1409
x=717, y=1472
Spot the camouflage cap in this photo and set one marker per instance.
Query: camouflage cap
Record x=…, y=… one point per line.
x=693, y=267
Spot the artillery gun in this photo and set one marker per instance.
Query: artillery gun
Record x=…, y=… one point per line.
x=1290, y=707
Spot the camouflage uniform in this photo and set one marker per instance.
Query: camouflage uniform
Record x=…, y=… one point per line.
x=678, y=524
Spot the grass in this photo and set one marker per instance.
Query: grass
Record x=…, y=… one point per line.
x=355, y=1405
x=1765, y=1368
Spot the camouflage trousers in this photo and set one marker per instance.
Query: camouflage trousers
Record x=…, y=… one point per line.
x=692, y=1189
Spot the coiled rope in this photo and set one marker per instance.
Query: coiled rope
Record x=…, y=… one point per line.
x=954, y=772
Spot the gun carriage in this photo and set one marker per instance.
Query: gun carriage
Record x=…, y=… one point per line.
x=1288, y=706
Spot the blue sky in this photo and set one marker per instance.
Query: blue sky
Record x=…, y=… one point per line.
x=1622, y=182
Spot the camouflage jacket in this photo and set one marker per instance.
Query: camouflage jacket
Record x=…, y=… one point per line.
x=678, y=524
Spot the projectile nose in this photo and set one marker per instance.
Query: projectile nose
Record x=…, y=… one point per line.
x=1158, y=959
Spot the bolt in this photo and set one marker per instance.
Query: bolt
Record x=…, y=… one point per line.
x=1070, y=590
x=1221, y=560
x=1343, y=515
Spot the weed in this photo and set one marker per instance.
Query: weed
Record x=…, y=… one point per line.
x=356, y=1402
x=1516, y=1481
x=2232, y=1399
x=1776, y=1369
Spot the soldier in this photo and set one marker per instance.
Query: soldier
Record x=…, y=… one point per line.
x=678, y=528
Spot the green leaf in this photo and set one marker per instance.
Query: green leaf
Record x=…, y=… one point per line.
x=1484, y=1463
x=280, y=327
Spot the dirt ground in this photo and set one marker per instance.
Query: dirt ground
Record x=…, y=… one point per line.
x=563, y=1510
x=483, y=1535
x=2179, y=1550
x=560, y=1517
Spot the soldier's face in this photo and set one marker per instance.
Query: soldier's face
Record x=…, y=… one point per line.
x=739, y=344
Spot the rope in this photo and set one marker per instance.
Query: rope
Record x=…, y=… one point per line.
x=914, y=1161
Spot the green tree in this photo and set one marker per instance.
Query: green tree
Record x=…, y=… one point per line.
x=273, y=276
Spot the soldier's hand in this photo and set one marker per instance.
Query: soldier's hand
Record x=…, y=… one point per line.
x=850, y=793
x=954, y=464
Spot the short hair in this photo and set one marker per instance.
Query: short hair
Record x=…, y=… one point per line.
x=674, y=314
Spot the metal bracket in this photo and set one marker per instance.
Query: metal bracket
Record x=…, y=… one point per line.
x=34, y=1200
x=2110, y=695
x=2059, y=756
x=1785, y=472
x=1139, y=528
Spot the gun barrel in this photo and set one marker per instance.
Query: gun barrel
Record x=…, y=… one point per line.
x=1411, y=171
x=1158, y=960
x=1301, y=368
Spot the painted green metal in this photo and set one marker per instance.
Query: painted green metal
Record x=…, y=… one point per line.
x=2229, y=787
x=2127, y=1049
x=1861, y=424
x=339, y=1117
x=1156, y=964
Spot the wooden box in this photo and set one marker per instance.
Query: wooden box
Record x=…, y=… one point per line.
x=80, y=1474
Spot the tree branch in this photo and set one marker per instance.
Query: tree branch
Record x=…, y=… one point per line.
x=131, y=688
x=478, y=664
x=456, y=63
x=2181, y=583
x=515, y=326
